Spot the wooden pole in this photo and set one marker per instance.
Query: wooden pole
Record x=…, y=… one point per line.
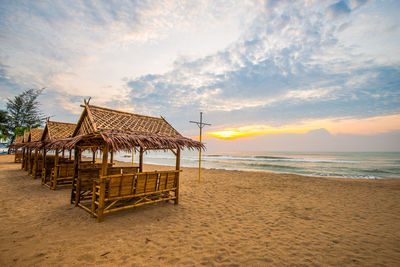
x=94, y=156
x=23, y=158
x=200, y=124
x=133, y=153
x=74, y=190
x=112, y=157
x=44, y=167
x=200, y=154
x=105, y=160
x=54, y=182
x=177, y=167
x=141, y=159
x=35, y=164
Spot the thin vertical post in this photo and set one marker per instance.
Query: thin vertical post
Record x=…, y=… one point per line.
x=112, y=156
x=141, y=159
x=44, y=167
x=105, y=160
x=74, y=191
x=133, y=153
x=200, y=149
x=201, y=125
x=54, y=182
x=177, y=167
x=23, y=158
x=94, y=156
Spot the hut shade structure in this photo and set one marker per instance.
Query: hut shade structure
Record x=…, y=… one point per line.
x=109, y=188
x=25, y=140
x=17, y=148
x=33, y=145
x=56, y=171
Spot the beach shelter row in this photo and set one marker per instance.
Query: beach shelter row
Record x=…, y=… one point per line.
x=99, y=187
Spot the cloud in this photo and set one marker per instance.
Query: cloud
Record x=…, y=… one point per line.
x=338, y=9
x=270, y=63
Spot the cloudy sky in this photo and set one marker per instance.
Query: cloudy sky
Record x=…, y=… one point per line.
x=268, y=75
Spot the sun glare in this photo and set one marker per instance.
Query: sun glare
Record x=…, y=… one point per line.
x=365, y=126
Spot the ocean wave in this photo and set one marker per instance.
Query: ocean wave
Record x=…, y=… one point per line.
x=273, y=158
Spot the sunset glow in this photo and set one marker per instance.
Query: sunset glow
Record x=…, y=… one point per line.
x=366, y=126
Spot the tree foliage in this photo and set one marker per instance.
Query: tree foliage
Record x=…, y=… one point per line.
x=23, y=112
x=3, y=124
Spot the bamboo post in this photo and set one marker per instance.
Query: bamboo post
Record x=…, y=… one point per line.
x=93, y=206
x=44, y=166
x=23, y=158
x=200, y=124
x=54, y=183
x=177, y=167
x=133, y=153
x=112, y=157
x=62, y=155
x=201, y=129
x=105, y=160
x=35, y=164
x=70, y=154
x=141, y=159
x=100, y=208
x=74, y=190
x=94, y=156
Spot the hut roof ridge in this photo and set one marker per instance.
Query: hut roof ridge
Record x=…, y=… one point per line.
x=95, y=118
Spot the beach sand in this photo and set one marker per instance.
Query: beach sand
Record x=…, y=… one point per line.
x=232, y=218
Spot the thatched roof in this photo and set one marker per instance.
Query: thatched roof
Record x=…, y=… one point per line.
x=124, y=131
x=35, y=135
x=17, y=142
x=26, y=136
x=57, y=130
x=19, y=139
x=95, y=119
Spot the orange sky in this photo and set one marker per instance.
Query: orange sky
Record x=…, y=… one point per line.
x=346, y=125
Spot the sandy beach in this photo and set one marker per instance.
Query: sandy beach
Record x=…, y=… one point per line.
x=232, y=218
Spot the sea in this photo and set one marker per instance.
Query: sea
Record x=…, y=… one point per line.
x=360, y=165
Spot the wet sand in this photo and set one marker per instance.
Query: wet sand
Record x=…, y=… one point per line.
x=233, y=218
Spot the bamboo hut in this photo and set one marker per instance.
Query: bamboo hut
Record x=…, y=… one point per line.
x=107, y=189
x=56, y=170
x=18, y=142
x=34, y=156
x=24, y=163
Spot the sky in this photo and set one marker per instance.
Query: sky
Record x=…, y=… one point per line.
x=267, y=75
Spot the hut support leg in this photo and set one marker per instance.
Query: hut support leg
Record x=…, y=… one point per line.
x=44, y=167
x=93, y=207
x=141, y=159
x=178, y=167
x=75, y=179
x=100, y=209
x=55, y=176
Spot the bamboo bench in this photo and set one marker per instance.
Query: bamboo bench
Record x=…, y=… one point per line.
x=82, y=186
x=62, y=174
x=36, y=163
x=124, y=191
